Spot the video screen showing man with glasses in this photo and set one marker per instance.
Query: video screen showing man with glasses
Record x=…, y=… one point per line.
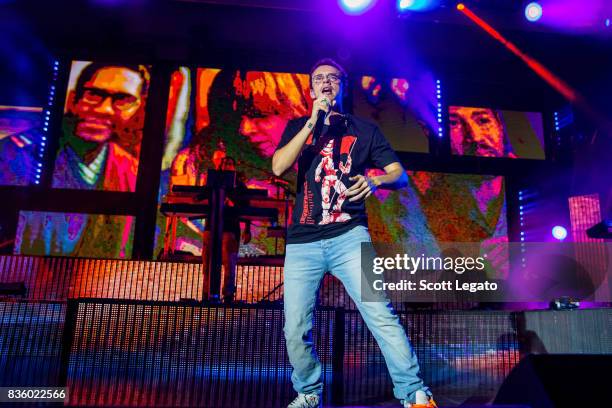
x=102, y=127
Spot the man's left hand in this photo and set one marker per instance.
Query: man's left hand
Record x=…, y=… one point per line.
x=362, y=189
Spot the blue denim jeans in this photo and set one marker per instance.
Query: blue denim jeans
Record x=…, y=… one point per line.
x=305, y=265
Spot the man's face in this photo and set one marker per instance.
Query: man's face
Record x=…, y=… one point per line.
x=476, y=132
x=109, y=100
x=326, y=82
x=269, y=101
x=263, y=131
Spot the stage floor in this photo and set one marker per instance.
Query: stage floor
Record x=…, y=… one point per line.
x=139, y=353
x=117, y=333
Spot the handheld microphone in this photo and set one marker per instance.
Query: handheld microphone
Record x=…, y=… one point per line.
x=318, y=127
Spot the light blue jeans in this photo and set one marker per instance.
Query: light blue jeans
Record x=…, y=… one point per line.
x=305, y=265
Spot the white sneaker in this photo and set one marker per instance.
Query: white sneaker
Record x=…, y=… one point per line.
x=422, y=400
x=306, y=401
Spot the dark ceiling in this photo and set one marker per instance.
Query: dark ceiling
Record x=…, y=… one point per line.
x=278, y=35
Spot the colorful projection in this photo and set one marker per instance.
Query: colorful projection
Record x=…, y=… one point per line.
x=403, y=110
x=217, y=116
x=20, y=138
x=102, y=127
x=72, y=234
x=486, y=132
x=440, y=207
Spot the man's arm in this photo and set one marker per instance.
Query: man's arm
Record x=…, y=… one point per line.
x=395, y=177
x=287, y=155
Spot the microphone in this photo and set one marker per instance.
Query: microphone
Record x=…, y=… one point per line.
x=318, y=127
x=321, y=116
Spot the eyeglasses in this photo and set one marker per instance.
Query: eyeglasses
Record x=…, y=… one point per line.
x=120, y=101
x=334, y=78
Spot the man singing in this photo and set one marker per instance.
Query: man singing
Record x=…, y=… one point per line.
x=329, y=223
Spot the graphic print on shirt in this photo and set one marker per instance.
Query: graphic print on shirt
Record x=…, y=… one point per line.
x=306, y=217
x=332, y=186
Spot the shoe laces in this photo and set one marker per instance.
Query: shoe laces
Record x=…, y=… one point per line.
x=305, y=401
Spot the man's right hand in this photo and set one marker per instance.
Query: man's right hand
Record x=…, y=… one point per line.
x=321, y=104
x=284, y=157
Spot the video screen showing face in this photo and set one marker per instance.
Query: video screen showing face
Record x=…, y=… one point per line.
x=232, y=120
x=442, y=207
x=74, y=234
x=21, y=134
x=403, y=110
x=102, y=127
x=486, y=132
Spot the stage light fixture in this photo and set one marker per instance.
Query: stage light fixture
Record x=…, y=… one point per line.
x=439, y=96
x=564, y=303
x=43, y=143
x=414, y=5
x=559, y=232
x=533, y=12
x=356, y=6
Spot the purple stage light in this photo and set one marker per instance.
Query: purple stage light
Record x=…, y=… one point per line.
x=559, y=232
x=356, y=6
x=575, y=16
x=533, y=12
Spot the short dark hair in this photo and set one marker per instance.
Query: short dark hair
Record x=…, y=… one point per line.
x=90, y=70
x=332, y=63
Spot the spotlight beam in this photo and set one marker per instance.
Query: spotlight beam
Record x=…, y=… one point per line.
x=548, y=76
x=539, y=69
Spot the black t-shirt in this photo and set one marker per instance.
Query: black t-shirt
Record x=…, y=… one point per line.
x=344, y=149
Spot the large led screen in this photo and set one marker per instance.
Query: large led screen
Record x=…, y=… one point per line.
x=486, y=132
x=102, y=126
